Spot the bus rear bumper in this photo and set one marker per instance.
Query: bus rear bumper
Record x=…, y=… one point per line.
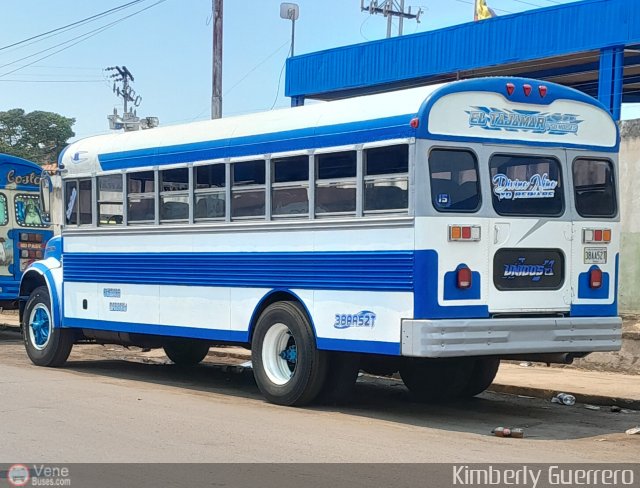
x=506, y=336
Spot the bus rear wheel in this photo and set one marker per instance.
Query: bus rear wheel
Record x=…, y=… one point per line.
x=288, y=367
x=436, y=380
x=186, y=352
x=46, y=345
x=482, y=375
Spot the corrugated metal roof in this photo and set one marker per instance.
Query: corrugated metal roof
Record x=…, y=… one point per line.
x=582, y=27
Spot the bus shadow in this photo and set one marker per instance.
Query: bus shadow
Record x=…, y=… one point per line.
x=386, y=399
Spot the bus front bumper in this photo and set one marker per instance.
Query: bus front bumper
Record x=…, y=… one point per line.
x=506, y=336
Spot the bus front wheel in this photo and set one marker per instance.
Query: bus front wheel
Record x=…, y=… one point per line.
x=46, y=345
x=288, y=367
x=186, y=352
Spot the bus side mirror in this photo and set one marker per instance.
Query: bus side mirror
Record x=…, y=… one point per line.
x=46, y=188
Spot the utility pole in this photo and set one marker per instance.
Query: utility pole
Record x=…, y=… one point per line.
x=216, y=92
x=390, y=9
x=129, y=120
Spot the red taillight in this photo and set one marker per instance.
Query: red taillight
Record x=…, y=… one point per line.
x=415, y=122
x=464, y=278
x=595, y=278
x=527, y=89
x=511, y=88
x=542, y=90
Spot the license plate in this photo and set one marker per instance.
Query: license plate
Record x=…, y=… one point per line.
x=595, y=255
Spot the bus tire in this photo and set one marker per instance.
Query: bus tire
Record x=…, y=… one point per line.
x=186, y=352
x=288, y=367
x=46, y=345
x=436, y=380
x=482, y=375
x=342, y=374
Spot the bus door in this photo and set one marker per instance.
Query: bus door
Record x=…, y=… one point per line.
x=596, y=235
x=530, y=246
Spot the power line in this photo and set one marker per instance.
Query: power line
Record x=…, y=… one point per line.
x=77, y=23
x=51, y=81
x=81, y=38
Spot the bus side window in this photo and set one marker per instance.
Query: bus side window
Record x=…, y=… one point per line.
x=248, y=190
x=84, y=202
x=209, y=189
x=454, y=180
x=386, y=183
x=290, y=194
x=174, y=195
x=110, y=200
x=4, y=213
x=141, y=197
x=336, y=183
x=71, y=204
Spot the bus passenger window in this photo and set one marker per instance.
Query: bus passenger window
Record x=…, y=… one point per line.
x=386, y=183
x=110, y=200
x=336, y=183
x=141, y=197
x=174, y=195
x=248, y=190
x=84, y=202
x=4, y=214
x=290, y=193
x=210, y=192
x=71, y=205
x=594, y=188
x=454, y=180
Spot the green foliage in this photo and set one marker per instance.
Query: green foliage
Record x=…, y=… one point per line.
x=37, y=136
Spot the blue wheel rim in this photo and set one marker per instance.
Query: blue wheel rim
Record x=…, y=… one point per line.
x=40, y=326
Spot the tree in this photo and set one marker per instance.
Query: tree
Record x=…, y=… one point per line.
x=37, y=136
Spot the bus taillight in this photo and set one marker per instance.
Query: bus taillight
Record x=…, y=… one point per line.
x=464, y=232
x=596, y=236
x=595, y=278
x=464, y=278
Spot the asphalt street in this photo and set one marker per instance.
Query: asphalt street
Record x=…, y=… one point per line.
x=110, y=404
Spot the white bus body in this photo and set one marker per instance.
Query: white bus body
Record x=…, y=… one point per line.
x=462, y=223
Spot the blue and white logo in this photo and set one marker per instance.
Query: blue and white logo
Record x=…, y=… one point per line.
x=522, y=270
x=538, y=186
x=365, y=318
x=79, y=157
x=496, y=119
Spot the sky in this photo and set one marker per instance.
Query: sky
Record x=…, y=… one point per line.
x=168, y=49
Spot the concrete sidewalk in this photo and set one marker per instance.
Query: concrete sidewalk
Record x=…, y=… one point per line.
x=538, y=380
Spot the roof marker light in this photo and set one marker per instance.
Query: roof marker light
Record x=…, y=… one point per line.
x=543, y=90
x=527, y=89
x=511, y=88
x=415, y=122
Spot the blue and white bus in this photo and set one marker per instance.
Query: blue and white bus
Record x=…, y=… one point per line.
x=432, y=231
x=23, y=231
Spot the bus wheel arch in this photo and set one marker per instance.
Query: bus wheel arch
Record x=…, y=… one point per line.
x=275, y=296
x=30, y=281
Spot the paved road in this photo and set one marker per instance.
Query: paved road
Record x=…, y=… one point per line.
x=111, y=405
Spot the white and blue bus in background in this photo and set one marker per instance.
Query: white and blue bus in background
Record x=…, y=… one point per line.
x=23, y=231
x=432, y=231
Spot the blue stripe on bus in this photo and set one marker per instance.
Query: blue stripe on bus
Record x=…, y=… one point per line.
x=376, y=271
x=313, y=137
x=161, y=330
x=350, y=345
x=596, y=310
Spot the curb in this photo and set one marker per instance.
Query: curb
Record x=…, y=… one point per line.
x=543, y=393
x=546, y=394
